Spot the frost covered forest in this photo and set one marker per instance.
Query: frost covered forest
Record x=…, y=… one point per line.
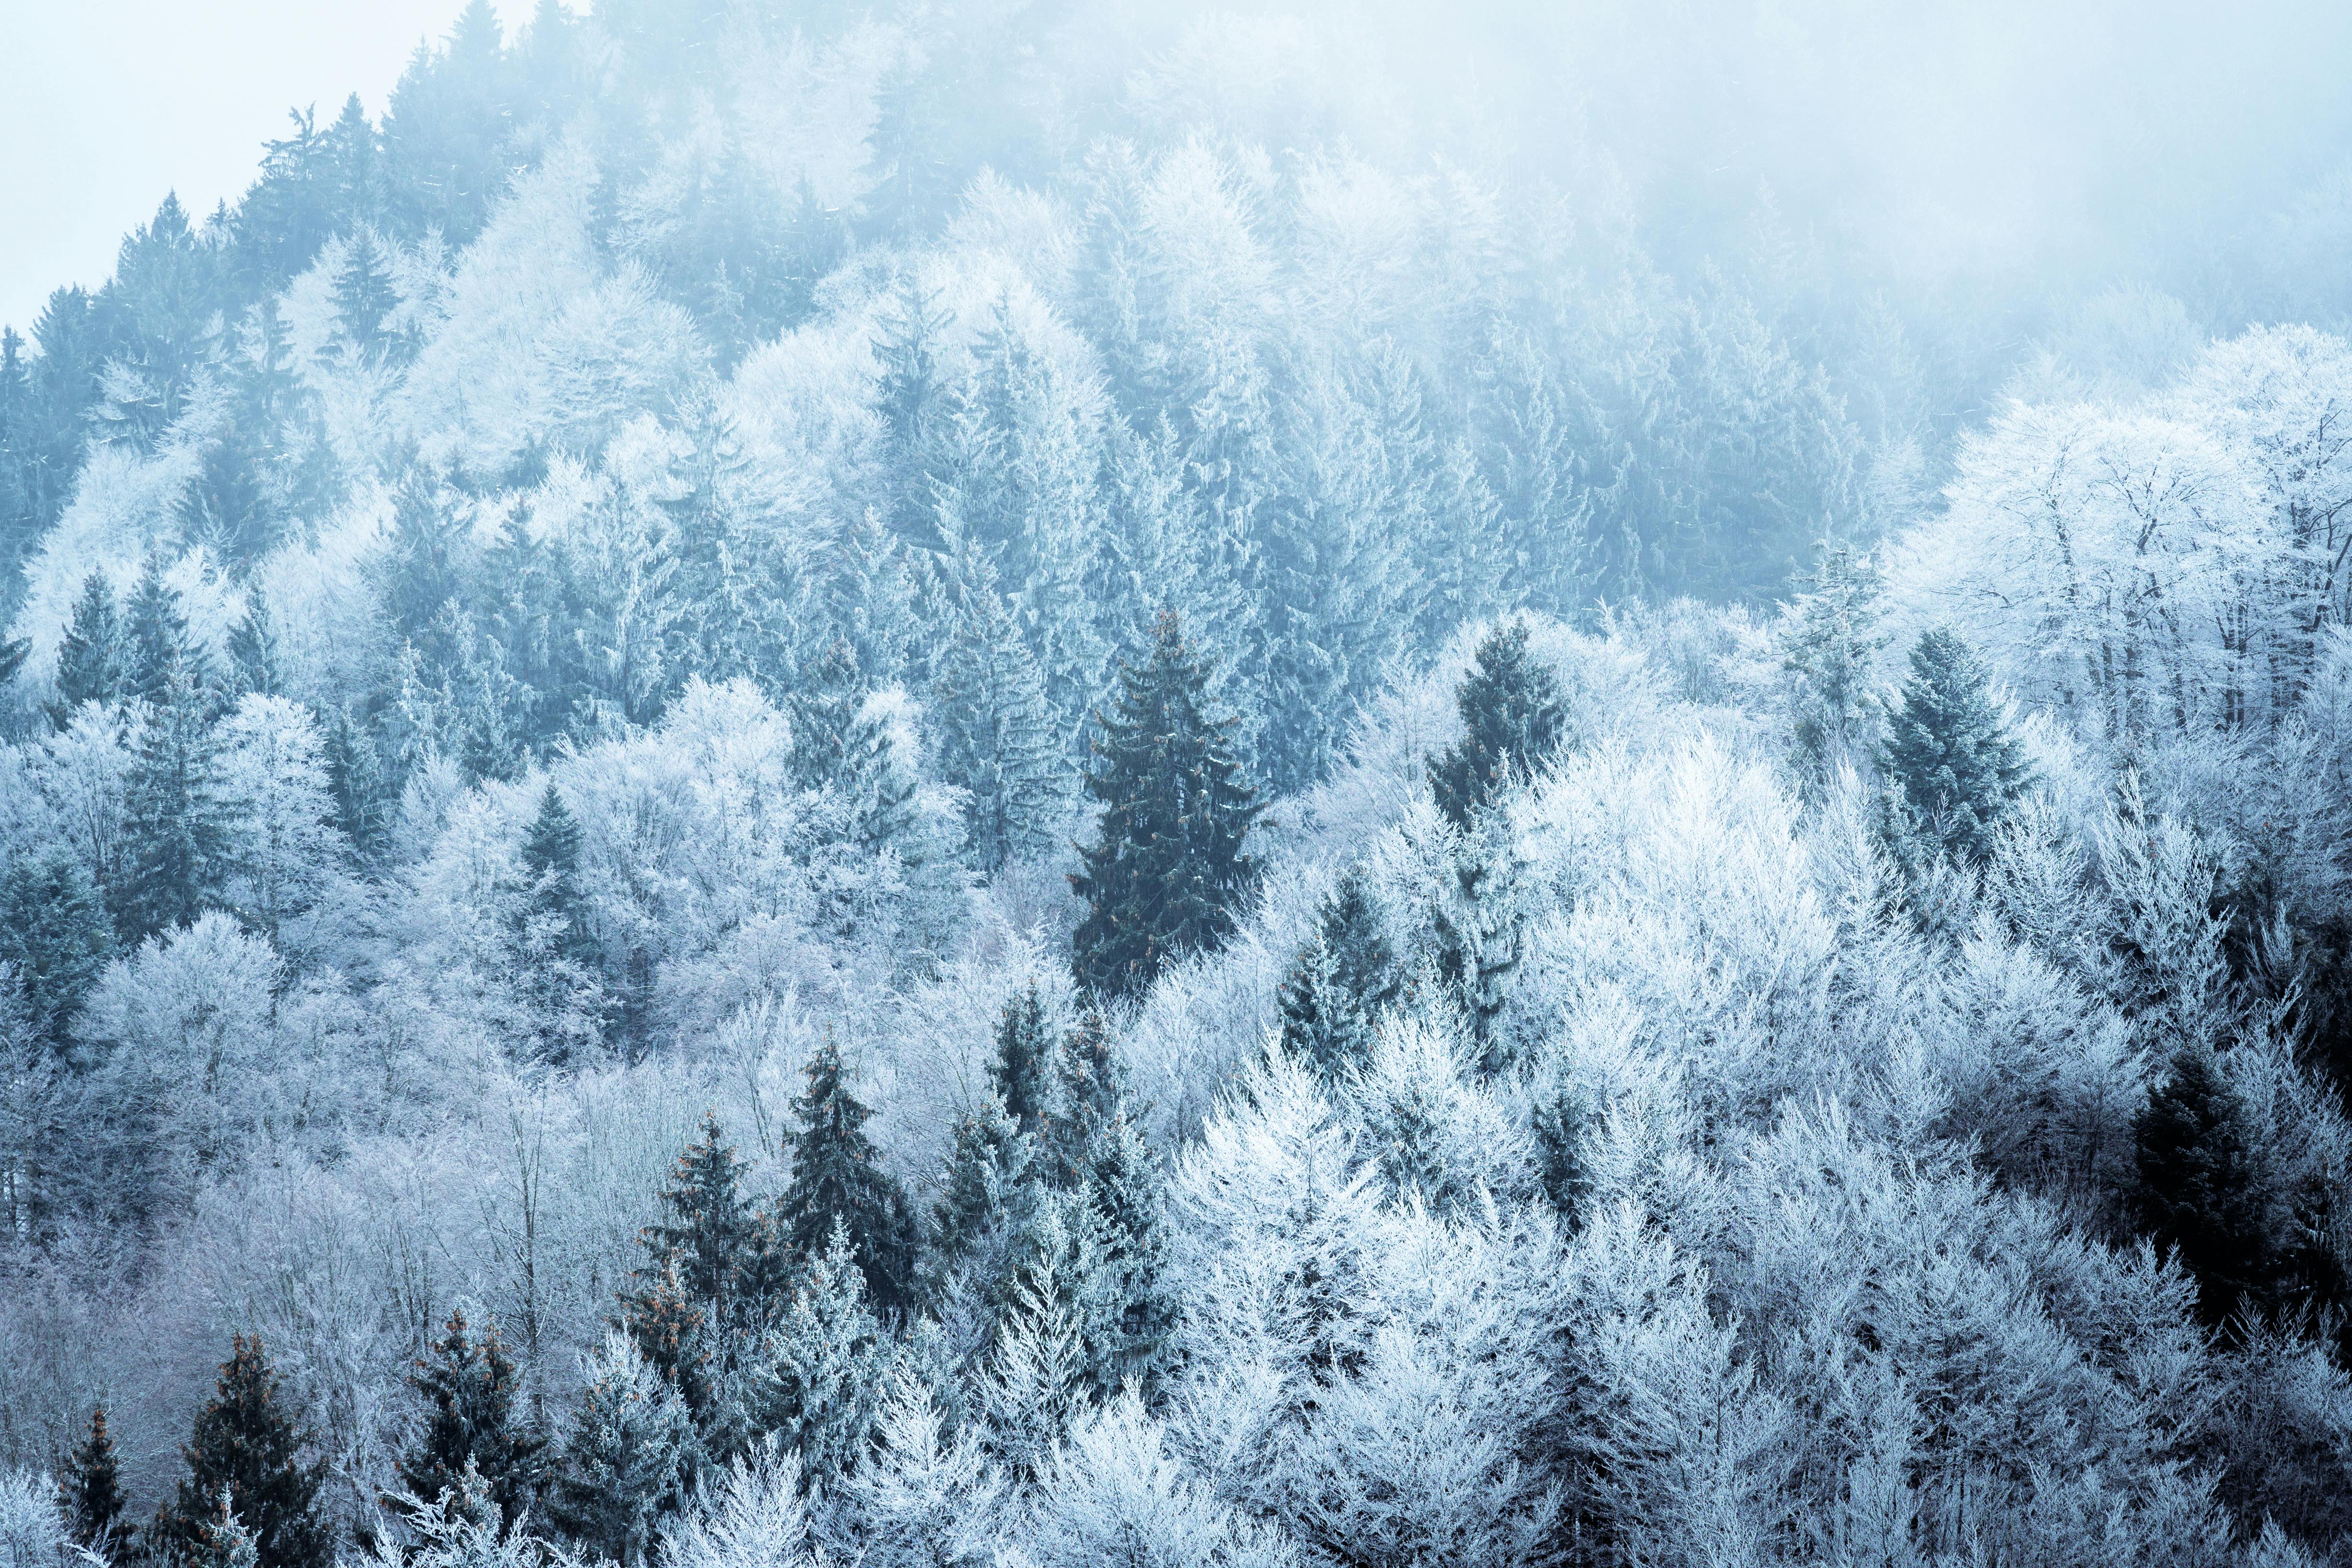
x=956, y=782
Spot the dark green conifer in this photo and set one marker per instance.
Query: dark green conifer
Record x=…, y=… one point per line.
x=989, y=1157
x=92, y=658
x=1514, y=723
x=1124, y=1184
x=253, y=648
x=712, y=1238
x=1022, y=1074
x=92, y=1492
x=160, y=655
x=247, y=1443
x=551, y=863
x=838, y=1177
x=1832, y=639
x=1167, y=867
x=468, y=1383
x=1342, y=979
x=1953, y=767
x=174, y=816
x=355, y=778
x=2203, y=1188
x=55, y=933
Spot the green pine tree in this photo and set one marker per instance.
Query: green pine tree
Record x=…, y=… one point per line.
x=1514, y=723
x=357, y=784
x=629, y=1458
x=2203, y=1187
x=987, y=1159
x=837, y=1178
x=711, y=1239
x=92, y=1492
x=92, y=657
x=557, y=952
x=997, y=741
x=824, y=704
x=1022, y=1074
x=1480, y=927
x=1343, y=978
x=468, y=1384
x=818, y=1385
x=1167, y=867
x=1832, y=639
x=160, y=653
x=1952, y=767
x=173, y=818
x=55, y=933
x=253, y=648
x=363, y=298
x=1124, y=1185
x=248, y=1444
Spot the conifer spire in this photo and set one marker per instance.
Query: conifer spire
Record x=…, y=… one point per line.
x=92, y=1492
x=247, y=1445
x=837, y=1178
x=1167, y=867
x=1513, y=721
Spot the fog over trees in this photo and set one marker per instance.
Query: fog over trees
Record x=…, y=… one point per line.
x=1040, y=785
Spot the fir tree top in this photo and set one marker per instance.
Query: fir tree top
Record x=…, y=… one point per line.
x=247, y=1443
x=1166, y=865
x=92, y=657
x=92, y=1492
x=838, y=1177
x=1514, y=722
x=1947, y=751
x=469, y=1384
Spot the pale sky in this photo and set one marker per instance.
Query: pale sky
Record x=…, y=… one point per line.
x=107, y=104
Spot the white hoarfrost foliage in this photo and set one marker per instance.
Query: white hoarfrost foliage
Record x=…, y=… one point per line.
x=31, y=1527
x=750, y=1515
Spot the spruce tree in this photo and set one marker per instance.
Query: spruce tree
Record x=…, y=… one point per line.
x=1343, y=978
x=1953, y=767
x=161, y=656
x=55, y=933
x=818, y=1386
x=173, y=814
x=92, y=658
x=712, y=1240
x=2203, y=1188
x=1480, y=926
x=253, y=648
x=561, y=964
x=1022, y=1074
x=837, y=1178
x=1124, y=1185
x=551, y=864
x=92, y=1492
x=1833, y=636
x=997, y=741
x=987, y=1159
x=363, y=298
x=247, y=1443
x=629, y=1460
x=1167, y=866
x=824, y=704
x=1514, y=722
x=468, y=1384
x=356, y=783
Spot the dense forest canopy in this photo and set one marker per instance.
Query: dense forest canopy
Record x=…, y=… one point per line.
x=1034, y=783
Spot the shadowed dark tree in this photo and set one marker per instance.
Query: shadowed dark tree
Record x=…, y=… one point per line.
x=1513, y=724
x=1953, y=764
x=92, y=1492
x=248, y=1443
x=468, y=1383
x=1342, y=979
x=1167, y=868
x=838, y=1177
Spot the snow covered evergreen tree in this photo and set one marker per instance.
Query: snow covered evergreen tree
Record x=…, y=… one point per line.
x=1948, y=755
x=1168, y=868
